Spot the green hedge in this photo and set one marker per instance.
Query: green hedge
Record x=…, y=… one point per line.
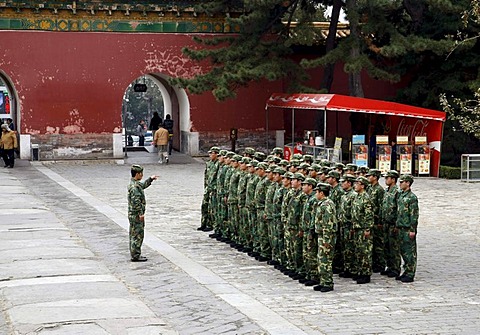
x=450, y=172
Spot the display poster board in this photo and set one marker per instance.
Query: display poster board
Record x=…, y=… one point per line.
x=423, y=155
x=360, y=154
x=358, y=139
x=337, y=150
x=405, y=155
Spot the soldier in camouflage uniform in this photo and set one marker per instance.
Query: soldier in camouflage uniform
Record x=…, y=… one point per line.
x=278, y=248
x=242, y=195
x=310, y=246
x=339, y=167
x=362, y=223
x=226, y=190
x=350, y=169
x=325, y=227
x=250, y=205
x=314, y=171
x=345, y=223
x=294, y=245
x=249, y=152
x=389, y=219
x=278, y=152
x=136, y=211
x=407, y=222
x=210, y=193
x=233, y=200
x=336, y=195
x=261, y=243
x=376, y=195
x=323, y=175
x=269, y=206
x=362, y=171
x=220, y=212
x=294, y=163
x=303, y=169
x=289, y=266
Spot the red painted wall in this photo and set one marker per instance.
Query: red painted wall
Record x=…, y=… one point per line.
x=72, y=82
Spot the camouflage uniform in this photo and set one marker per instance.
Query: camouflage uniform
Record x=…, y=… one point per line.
x=407, y=221
x=326, y=228
x=270, y=213
x=294, y=246
x=260, y=242
x=310, y=240
x=345, y=221
x=278, y=242
x=376, y=193
x=136, y=207
x=226, y=233
x=243, y=211
x=210, y=193
x=221, y=213
x=250, y=205
x=336, y=196
x=389, y=219
x=233, y=201
x=287, y=234
x=362, y=221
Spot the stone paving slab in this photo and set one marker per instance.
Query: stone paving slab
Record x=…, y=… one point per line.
x=443, y=298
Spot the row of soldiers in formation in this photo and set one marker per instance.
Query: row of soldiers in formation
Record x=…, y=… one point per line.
x=310, y=219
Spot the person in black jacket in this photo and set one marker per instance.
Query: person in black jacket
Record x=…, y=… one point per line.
x=168, y=124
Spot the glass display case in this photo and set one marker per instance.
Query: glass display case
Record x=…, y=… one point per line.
x=470, y=168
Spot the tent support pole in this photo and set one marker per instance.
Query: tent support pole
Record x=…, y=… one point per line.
x=293, y=132
x=325, y=129
x=266, y=123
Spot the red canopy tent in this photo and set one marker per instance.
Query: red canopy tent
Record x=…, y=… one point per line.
x=409, y=120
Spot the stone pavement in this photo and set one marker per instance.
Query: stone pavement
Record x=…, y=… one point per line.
x=71, y=216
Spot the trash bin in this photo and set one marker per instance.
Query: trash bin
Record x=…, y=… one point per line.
x=35, y=154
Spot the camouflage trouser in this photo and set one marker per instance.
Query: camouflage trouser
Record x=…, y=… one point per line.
x=378, y=253
x=408, y=251
x=205, y=212
x=348, y=249
x=298, y=252
x=263, y=241
x=212, y=209
x=363, y=253
x=338, y=252
x=289, y=248
x=325, y=260
x=392, y=248
x=310, y=254
x=233, y=220
x=242, y=225
x=278, y=242
x=252, y=226
x=136, y=233
x=222, y=217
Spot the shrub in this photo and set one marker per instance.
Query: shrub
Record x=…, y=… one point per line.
x=450, y=172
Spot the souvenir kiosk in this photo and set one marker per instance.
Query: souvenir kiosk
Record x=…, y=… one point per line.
x=403, y=120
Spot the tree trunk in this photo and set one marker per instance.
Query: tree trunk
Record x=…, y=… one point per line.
x=330, y=45
x=354, y=79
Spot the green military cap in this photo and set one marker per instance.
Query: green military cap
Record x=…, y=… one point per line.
x=349, y=177
x=288, y=175
x=271, y=168
x=308, y=159
x=262, y=165
x=254, y=163
x=268, y=158
x=246, y=160
x=298, y=176
x=322, y=187
x=259, y=156
x=374, y=172
x=362, y=180
x=249, y=151
x=276, y=159
x=223, y=152
x=214, y=149
x=362, y=169
x=334, y=174
x=230, y=154
x=297, y=156
x=315, y=167
x=277, y=151
x=392, y=173
x=284, y=163
x=325, y=170
x=310, y=181
x=340, y=166
x=406, y=177
x=325, y=162
x=137, y=168
x=295, y=162
x=304, y=166
x=351, y=167
x=280, y=171
x=237, y=158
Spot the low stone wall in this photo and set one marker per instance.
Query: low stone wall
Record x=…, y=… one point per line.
x=77, y=146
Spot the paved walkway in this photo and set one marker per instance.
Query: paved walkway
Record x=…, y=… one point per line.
x=64, y=231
